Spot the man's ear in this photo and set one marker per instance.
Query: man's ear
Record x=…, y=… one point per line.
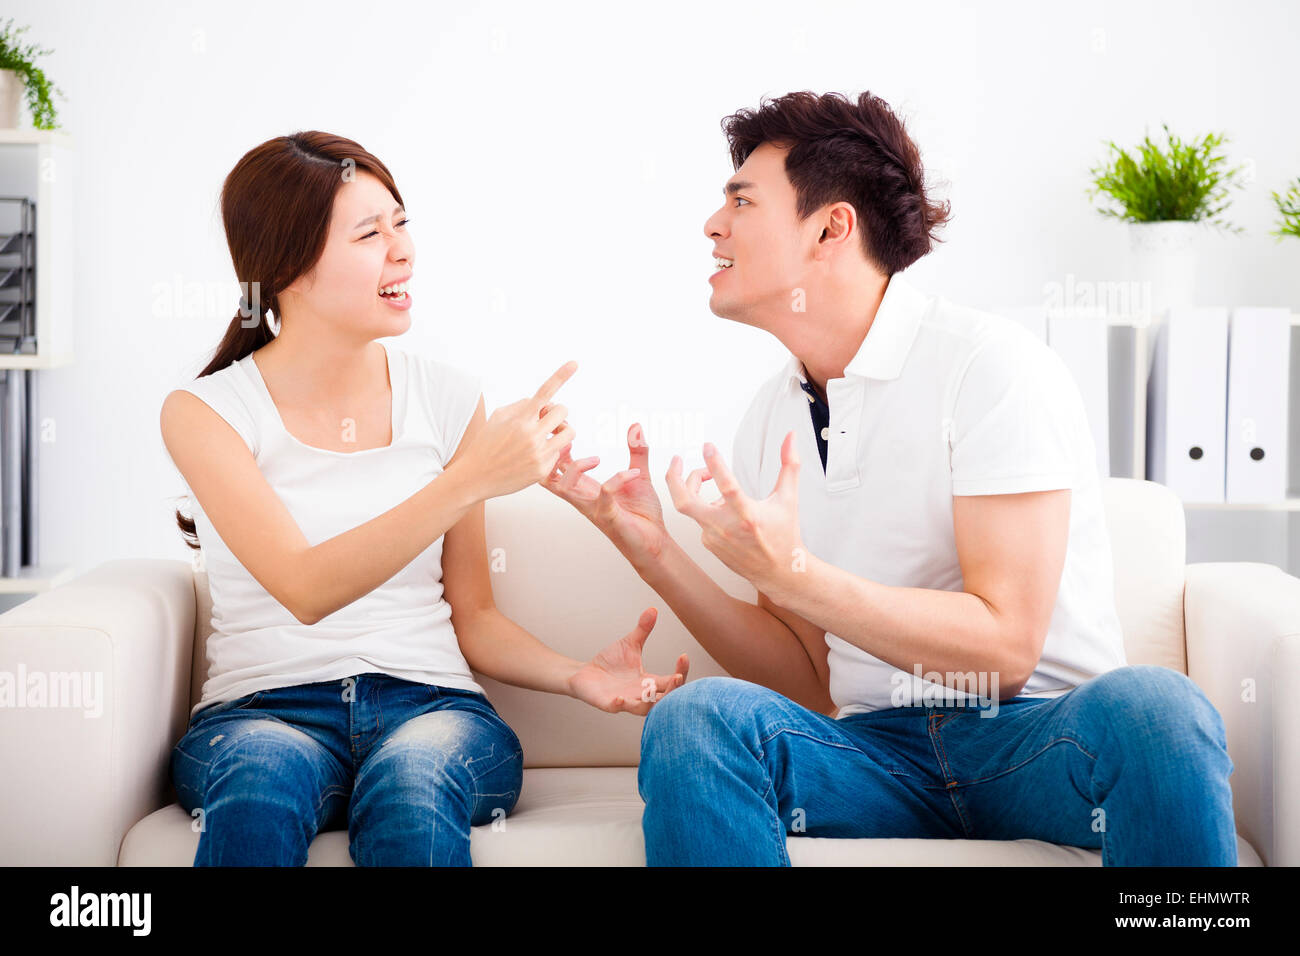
x=838, y=221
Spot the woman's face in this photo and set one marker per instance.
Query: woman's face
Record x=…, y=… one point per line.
x=368, y=248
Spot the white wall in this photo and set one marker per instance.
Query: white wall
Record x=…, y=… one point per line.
x=558, y=162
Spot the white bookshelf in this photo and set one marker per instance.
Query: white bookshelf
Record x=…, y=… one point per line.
x=40, y=164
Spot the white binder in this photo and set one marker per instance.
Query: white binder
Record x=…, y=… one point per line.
x=1187, y=403
x=1083, y=342
x=1259, y=359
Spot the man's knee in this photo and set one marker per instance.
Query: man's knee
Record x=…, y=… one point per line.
x=697, y=705
x=1148, y=702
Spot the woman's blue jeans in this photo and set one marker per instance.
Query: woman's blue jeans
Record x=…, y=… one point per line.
x=1133, y=762
x=409, y=767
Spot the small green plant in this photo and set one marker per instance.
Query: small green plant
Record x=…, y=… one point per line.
x=1182, y=182
x=1288, y=206
x=22, y=60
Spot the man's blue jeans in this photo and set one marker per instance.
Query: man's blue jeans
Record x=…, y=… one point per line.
x=409, y=767
x=1133, y=762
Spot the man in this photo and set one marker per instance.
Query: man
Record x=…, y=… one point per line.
x=935, y=650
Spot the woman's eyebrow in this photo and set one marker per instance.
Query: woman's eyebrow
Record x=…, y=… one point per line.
x=376, y=217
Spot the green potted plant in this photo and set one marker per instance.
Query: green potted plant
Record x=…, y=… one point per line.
x=1166, y=194
x=1288, y=223
x=1288, y=207
x=20, y=78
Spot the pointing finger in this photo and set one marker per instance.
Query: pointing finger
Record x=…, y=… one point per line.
x=552, y=384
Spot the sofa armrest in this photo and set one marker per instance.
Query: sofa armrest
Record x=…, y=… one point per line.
x=86, y=761
x=1243, y=650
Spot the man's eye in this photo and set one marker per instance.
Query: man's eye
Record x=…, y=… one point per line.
x=376, y=232
x=741, y=199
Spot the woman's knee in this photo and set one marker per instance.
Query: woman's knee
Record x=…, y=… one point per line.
x=449, y=756
x=266, y=762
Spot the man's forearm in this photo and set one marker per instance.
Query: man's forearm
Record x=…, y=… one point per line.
x=941, y=631
x=746, y=640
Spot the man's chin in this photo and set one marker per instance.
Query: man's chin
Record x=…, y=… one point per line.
x=729, y=311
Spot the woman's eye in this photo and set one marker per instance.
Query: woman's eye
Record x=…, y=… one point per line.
x=376, y=232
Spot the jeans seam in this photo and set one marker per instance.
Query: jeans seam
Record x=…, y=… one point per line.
x=1035, y=755
x=779, y=832
x=829, y=743
x=950, y=784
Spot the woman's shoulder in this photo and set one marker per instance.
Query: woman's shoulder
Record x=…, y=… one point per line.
x=228, y=392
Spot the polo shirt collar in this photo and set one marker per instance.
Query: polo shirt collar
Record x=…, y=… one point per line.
x=889, y=339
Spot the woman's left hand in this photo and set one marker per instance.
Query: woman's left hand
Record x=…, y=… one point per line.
x=614, y=680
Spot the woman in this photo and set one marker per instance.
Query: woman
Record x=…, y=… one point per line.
x=338, y=487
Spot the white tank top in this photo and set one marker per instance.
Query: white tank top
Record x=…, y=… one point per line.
x=401, y=628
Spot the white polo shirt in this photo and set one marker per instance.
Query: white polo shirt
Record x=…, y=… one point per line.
x=940, y=400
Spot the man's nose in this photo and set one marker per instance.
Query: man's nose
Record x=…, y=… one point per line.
x=714, y=226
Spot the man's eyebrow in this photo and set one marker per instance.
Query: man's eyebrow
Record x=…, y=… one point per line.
x=376, y=217
x=734, y=187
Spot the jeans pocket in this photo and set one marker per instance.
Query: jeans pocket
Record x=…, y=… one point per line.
x=239, y=703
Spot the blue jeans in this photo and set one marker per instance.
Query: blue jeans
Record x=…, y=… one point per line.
x=1133, y=762
x=410, y=767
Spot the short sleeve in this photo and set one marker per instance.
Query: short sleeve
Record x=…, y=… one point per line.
x=218, y=392
x=453, y=395
x=1014, y=425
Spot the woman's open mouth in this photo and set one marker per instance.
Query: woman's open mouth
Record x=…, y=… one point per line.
x=396, y=295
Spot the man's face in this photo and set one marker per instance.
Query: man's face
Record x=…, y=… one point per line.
x=757, y=230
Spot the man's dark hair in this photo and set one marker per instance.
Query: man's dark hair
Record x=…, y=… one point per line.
x=846, y=151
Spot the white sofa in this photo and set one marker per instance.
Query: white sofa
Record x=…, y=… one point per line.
x=95, y=791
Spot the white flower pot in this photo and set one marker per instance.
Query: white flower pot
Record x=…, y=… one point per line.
x=12, y=106
x=1163, y=255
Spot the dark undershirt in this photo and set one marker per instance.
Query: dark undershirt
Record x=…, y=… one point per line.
x=821, y=418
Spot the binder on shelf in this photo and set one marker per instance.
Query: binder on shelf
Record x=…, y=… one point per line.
x=1259, y=360
x=12, y=438
x=1187, y=403
x=17, y=274
x=1083, y=343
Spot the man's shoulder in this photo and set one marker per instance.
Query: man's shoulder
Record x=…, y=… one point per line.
x=976, y=328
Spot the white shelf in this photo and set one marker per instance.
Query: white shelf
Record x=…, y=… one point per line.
x=1289, y=504
x=41, y=164
x=9, y=360
x=30, y=580
x=55, y=136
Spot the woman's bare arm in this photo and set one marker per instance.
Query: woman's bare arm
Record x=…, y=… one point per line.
x=311, y=582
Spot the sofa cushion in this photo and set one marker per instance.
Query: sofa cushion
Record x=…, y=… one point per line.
x=592, y=817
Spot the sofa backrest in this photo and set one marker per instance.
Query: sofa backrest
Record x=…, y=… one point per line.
x=558, y=577
x=1148, y=543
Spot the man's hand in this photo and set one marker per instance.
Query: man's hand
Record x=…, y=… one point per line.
x=759, y=540
x=614, y=680
x=625, y=508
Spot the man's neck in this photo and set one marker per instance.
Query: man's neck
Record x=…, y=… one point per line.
x=827, y=337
